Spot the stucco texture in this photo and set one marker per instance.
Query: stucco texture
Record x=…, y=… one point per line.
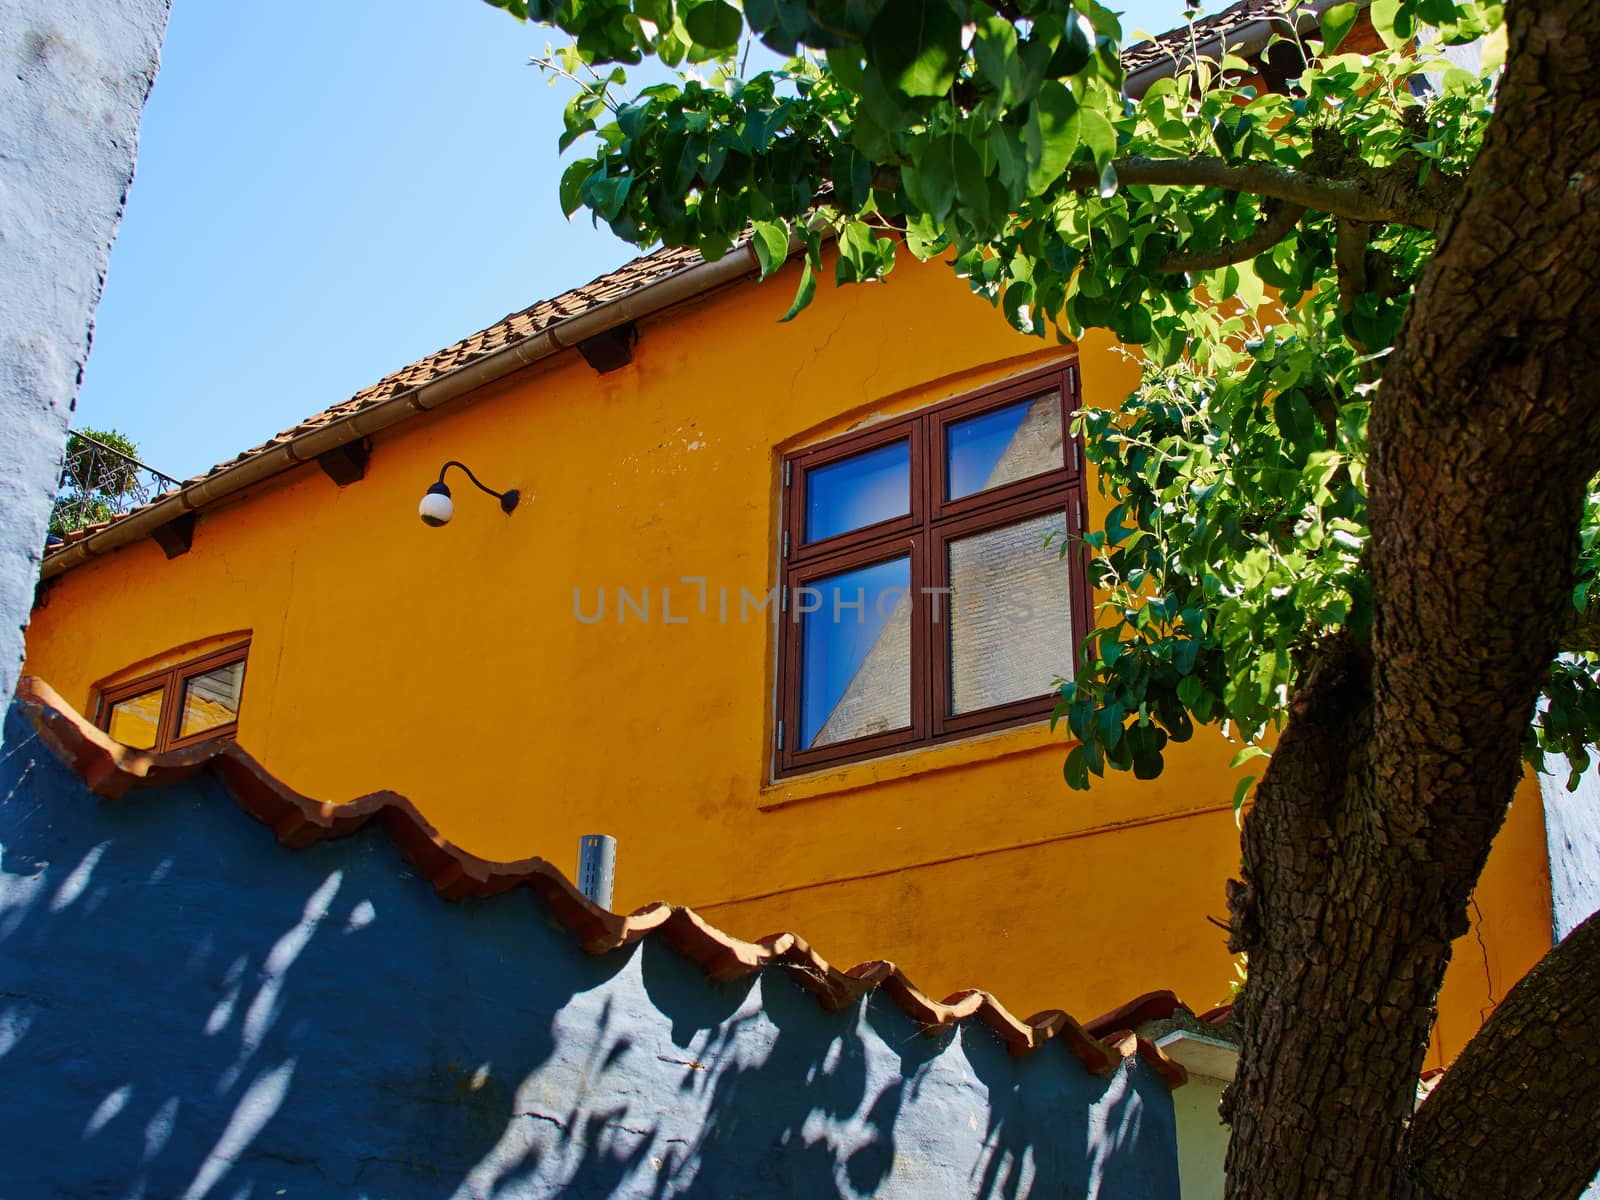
x=74, y=75
x=451, y=665
x=1202, y=1138
x=192, y=1010
x=1572, y=829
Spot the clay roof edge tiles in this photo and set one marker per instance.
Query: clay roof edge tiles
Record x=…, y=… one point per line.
x=110, y=770
x=1243, y=29
x=646, y=285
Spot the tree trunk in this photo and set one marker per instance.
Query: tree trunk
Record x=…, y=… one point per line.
x=1376, y=814
x=1540, y=1050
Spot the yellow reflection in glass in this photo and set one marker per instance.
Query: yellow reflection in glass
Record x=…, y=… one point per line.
x=134, y=721
x=211, y=700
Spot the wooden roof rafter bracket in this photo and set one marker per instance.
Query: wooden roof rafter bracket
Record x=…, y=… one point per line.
x=346, y=463
x=611, y=348
x=176, y=536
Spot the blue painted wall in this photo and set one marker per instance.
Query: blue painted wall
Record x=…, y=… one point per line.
x=189, y=1010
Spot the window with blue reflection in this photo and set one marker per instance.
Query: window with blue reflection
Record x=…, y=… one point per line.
x=855, y=653
x=1003, y=445
x=858, y=491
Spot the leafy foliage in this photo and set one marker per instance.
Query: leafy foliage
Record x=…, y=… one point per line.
x=1569, y=714
x=1235, y=541
x=94, y=482
x=1227, y=228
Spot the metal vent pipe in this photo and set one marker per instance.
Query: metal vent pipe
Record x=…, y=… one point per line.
x=597, y=867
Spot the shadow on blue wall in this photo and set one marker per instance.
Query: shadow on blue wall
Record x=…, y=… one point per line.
x=187, y=1009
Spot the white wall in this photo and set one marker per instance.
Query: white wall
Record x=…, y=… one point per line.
x=1202, y=1138
x=74, y=75
x=1572, y=831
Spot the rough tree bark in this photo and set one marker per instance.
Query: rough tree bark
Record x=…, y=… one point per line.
x=1541, y=1048
x=1399, y=759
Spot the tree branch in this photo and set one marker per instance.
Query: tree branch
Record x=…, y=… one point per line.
x=1375, y=196
x=1268, y=234
x=1516, y=1115
x=1584, y=632
x=1350, y=265
x=1350, y=261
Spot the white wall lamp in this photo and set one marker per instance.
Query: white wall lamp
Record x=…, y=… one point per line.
x=437, y=508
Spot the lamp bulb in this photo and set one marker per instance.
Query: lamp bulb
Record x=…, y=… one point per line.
x=436, y=508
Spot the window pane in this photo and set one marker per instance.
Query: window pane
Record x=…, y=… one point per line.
x=1010, y=614
x=211, y=700
x=136, y=720
x=858, y=491
x=855, y=653
x=1003, y=445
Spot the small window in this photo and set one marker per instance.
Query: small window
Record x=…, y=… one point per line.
x=179, y=705
x=925, y=592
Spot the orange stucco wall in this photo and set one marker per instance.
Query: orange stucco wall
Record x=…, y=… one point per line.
x=450, y=665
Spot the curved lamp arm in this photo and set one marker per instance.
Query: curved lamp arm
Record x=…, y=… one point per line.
x=508, y=499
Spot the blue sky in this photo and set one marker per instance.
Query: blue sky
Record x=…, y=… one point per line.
x=327, y=191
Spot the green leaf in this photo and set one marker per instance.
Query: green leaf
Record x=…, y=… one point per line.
x=1018, y=307
x=924, y=236
x=852, y=177
x=1240, y=790
x=1336, y=23
x=771, y=242
x=916, y=44
x=1051, y=133
x=517, y=8
x=858, y=253
x=804, y=293
x=1145, y=743
x=606, y=195
x=994, y=49
x=572, y=181
x=631, y=117
x=1392, y=21
x=1247, y=754
x=1076, y=769
x=1073, y=50
x=844, y=64
x=1098, y=136
x=715, y=24
x=971, y=176
x=657, y=12
x=930, y=179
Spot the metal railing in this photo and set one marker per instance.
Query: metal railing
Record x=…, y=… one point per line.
x=99, y=482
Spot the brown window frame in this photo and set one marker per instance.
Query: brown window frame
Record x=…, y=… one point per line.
x=172, y=680
x=923, y=534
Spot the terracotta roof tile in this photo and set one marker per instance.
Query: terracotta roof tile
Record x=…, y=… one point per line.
x=1220, y=1015
x=1175, y=44
x=111, y=769
x=647, y=269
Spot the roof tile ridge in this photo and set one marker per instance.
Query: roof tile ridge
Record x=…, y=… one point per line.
x=1151, y=1006
x=1129, y=1045
x=111, y=769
